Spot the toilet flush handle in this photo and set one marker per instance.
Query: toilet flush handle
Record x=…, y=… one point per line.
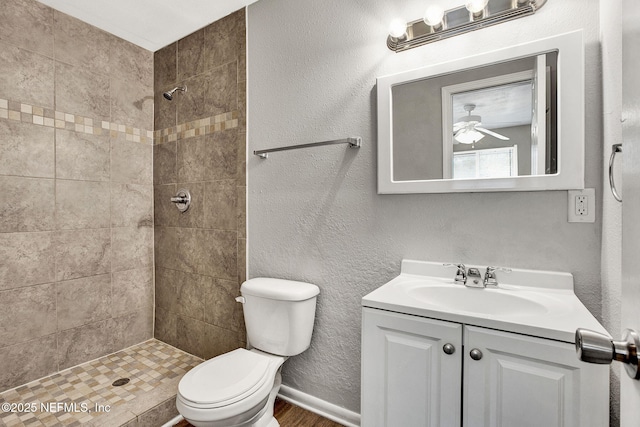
x=240, y=300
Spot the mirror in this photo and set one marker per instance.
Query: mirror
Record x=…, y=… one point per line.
x=506, y=120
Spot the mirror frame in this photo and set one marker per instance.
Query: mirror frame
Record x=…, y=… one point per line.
x=570, y=126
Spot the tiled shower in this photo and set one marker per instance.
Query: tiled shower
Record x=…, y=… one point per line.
x=87, y=172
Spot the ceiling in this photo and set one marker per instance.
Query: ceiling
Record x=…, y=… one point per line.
x=499, y=106
x=151, y=24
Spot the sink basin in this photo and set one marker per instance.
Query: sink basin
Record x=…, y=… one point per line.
x=477, y=300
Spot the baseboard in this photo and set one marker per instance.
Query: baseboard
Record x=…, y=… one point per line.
x=321, y=407
x=172, y=422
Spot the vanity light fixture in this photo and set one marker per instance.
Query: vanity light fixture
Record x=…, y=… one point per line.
x=438, y=24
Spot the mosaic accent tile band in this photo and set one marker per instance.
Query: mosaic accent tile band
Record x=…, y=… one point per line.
x=84, y=394
x=198, y=127
x=26, y=113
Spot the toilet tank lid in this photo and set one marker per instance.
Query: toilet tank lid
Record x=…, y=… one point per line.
x=279, y=289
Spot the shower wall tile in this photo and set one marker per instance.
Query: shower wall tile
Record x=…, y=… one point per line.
x=220, y=205
x=132, y=290
x=131, y=205
x=82, y=253
x=26, y=150
x=220, y=306
x=164, y=163
x=208, y=94
x=26, y=76
x=82, y=157
x=133, y=328
x=76, y=121
x=17, y=16
x=221, y=41
x=191, y=55
x=82, y=204
x=201, y=137
x=131, y=62
x=224, y=155
x=166, y=248
x=222, y=91
x=165, y=213
x=241, y=211
x=166, y=326
x=164, y=67
x=193, y=159
x=208, y=157
x=132, y=248
x=242, y=106
x=241, y=171
x=220, y=253
x=165, y=112
x=31, y=206
x=218, y=341
x=242, y=47
x=194, y=217
x=27, y=313
x=85, y=343
x=131, y=163
x=192, y=104
x=242, y=260
x=165, y=288
x=132, y=102
x=189, y=294
x=25, y=362
x=83, y=301
x=90, y=53
x=190, y=335
x=82, y=91
x=27, y=259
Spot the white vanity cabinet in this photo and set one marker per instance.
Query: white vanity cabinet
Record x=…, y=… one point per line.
x=409, y=380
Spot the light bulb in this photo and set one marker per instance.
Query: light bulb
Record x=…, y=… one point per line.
x=433, y=15
x=398, y=28
x=476, y=6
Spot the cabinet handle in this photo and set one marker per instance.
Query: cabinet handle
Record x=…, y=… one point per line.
x=475, y=354
x=449, y=348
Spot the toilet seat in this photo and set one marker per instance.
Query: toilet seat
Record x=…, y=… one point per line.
x=209, y=396
x=226, y=379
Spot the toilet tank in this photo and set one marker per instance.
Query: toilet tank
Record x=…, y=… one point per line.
x=279, y=314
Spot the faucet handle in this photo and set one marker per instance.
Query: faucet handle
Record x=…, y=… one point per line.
x=461, y=274
x=490, y=278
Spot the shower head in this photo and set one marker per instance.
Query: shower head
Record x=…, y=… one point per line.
x=169, y=95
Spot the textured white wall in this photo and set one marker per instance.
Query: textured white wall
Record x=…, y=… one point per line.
x=315, y=215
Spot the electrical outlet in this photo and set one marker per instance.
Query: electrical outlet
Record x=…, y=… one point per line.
x=582, y=205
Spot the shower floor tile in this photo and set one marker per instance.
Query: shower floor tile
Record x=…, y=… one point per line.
x=84, y=394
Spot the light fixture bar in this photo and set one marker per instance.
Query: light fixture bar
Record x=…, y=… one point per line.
x=460, y=21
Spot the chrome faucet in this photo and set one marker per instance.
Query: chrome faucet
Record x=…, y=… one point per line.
x=473, y=278
x=461, y=273
x=490, y=278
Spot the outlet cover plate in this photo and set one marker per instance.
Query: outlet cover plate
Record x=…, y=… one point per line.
x=588, y=210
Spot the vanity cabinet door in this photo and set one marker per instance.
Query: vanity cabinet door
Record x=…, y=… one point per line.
x=530, y=382
x=408, y=379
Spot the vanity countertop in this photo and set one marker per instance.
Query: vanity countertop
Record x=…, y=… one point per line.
x=530, y=302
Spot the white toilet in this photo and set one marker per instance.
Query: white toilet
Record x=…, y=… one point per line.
x=239, y=388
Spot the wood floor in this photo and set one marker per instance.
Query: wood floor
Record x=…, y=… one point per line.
x=289, y=415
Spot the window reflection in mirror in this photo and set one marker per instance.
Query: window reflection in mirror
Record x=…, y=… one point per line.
x=489, y=122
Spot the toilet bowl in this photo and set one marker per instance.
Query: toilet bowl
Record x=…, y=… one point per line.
x=244, y=382
x=239, y=388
